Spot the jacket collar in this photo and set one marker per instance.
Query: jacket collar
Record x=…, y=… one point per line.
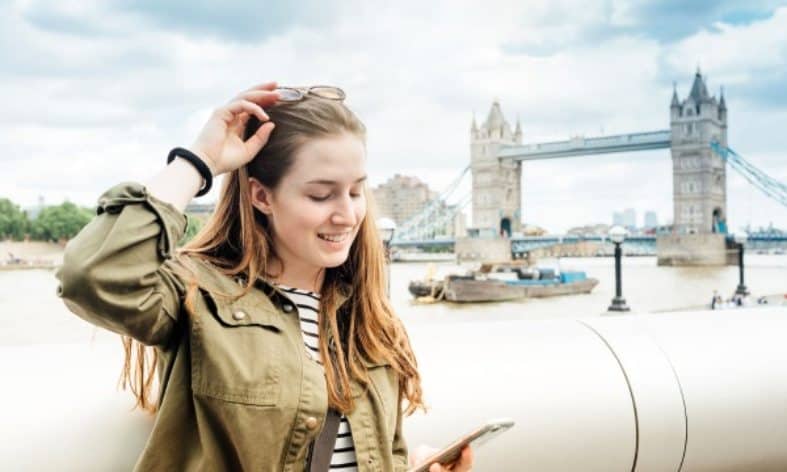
x=345, y=292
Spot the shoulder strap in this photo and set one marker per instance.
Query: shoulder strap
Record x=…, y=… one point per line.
x=323, y=445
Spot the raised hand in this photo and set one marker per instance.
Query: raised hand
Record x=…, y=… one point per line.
x=220, y=143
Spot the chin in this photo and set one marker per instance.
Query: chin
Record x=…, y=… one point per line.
x=335, y=260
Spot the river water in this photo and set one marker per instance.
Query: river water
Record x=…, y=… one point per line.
x=31, y=313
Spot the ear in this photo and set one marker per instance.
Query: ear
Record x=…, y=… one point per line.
x=261, y=196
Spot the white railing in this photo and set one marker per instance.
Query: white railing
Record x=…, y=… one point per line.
x=681, y=391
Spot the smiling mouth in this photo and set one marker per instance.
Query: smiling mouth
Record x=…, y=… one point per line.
x=334, y=238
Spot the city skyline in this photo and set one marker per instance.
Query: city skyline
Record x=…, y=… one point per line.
x=92, y=98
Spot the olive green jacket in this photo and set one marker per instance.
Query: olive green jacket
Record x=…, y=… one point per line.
x=238, y=389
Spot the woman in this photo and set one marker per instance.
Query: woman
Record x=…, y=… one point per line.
x=275, y=345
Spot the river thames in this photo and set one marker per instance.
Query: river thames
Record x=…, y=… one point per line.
x=34, y=314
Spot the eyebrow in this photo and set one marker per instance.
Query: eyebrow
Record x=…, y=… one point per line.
x=333, y=182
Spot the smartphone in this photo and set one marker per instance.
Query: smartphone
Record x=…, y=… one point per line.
x=475, y=438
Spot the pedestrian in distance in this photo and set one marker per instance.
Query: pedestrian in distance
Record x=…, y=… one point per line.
x=270, y=334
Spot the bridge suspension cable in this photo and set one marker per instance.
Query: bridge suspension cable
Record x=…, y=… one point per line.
x=765, y=183
x=434, y=213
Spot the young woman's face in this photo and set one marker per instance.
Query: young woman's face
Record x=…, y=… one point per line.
x=319, y=204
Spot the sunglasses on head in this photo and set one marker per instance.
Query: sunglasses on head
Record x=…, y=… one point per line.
x=296, y=94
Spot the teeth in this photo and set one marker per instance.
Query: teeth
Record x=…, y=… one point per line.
x=336, y=238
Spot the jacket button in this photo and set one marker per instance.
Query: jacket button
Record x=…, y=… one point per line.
x=239, y=315
x=311, y=423
x=287, y=307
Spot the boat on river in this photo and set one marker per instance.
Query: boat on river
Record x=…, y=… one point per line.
x=503, y=282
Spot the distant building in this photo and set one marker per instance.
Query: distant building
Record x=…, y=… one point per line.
x=630, y=218
x=651, y=220
x=402, y=197
x=533, y=230
x=598, y=229
x=626, y=218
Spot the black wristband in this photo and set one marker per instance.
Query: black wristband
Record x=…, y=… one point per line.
x=198, y=163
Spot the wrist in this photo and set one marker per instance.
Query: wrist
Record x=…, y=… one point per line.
x=199, y=164
x=214, y=170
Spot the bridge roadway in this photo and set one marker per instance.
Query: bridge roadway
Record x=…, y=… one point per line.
x=580, y=146
x=532, y=242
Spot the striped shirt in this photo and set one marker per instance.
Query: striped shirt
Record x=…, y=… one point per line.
x=308, y=304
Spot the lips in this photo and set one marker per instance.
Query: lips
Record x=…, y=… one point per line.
x=334, y=237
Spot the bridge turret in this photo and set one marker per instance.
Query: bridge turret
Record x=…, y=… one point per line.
x=473, y=129
x=675, y=104
x=518, y=131
x=497, y=192
x=722, y=108
x=699, y=177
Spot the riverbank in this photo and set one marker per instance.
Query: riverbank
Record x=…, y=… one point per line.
x=29, y=255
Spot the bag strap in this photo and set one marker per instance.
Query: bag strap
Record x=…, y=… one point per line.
x=325, y=442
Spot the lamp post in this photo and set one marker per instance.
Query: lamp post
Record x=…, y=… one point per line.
x=617, y=235
x=740, y=239
x=386, y=228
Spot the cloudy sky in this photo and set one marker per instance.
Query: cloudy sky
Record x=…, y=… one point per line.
x=94, y=92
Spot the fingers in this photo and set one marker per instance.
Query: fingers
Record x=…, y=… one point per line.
x=238, y=106
x=258, y=139
x=465, y=460
x=260, y=97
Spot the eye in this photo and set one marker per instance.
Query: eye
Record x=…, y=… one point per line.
x=317, y=198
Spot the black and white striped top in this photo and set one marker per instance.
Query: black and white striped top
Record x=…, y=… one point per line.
x=308, y=304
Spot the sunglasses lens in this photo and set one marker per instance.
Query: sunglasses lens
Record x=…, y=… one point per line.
x=333, y=93
x=289, y=94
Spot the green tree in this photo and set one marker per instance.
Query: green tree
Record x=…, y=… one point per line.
x=192, y=228
x=60, y=222
x=13, y=221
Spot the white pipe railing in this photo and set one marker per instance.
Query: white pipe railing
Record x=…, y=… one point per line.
x=704, y=391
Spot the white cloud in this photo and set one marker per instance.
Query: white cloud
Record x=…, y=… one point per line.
x=735, y=53
x=110, y=106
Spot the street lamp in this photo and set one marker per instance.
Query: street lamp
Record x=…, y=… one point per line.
x=740, y=239
x=386, y=228
x=617, y=235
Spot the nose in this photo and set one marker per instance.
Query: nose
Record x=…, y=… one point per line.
x=344, y=213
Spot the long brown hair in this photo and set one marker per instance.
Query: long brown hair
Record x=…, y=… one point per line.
x=237, y=240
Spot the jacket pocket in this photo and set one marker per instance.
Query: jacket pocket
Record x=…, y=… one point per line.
x=236, y=350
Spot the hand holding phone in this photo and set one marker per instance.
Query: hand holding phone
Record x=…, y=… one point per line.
x=474, y=438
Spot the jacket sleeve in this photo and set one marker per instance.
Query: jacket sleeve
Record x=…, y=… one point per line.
x=399, y=445
x=117, y=273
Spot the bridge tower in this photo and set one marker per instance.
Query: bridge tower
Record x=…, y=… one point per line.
x=497, y=195
x=699, y=181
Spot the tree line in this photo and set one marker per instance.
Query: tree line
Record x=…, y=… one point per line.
x=55, y=223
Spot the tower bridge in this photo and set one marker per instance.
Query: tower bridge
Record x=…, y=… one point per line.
x=696, y=138
x=698, y=178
